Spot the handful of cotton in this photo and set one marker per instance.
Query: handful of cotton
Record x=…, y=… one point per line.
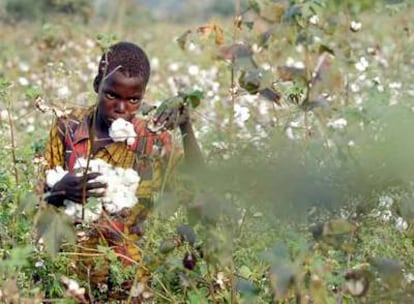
x=72, y=209
x=122, y=185
x=122, y=130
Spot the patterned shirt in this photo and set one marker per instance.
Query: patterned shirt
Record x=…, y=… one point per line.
x=70, y=139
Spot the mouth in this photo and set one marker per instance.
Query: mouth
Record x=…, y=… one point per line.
x=113, y=118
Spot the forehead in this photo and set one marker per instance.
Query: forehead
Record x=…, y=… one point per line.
x=118, y=80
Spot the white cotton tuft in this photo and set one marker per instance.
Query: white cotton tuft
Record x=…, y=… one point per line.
x=120, y=193
x=54, y=175
x=122, y=130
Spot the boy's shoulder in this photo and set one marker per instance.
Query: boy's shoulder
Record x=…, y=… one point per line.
x=71, y=118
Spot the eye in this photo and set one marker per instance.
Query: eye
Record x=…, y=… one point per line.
x=109, y=96
x=134, y=100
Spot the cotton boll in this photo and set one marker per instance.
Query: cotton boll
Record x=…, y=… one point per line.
x=130, y=141
x=70, y=209
x=80, y=163
x=54, y=175
x=130, y=177
x=401, y=224
x=110, y=207
x=122, y=130
x=98, y=165
x=74, y=210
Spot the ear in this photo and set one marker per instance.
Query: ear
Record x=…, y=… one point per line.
x=96, y=83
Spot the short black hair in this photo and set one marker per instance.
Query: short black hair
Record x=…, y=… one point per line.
x=126, y=57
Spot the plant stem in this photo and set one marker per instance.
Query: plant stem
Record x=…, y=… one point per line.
x=13, y=144
x=233, y=92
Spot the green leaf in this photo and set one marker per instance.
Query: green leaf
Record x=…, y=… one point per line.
x=33, y=92
x=167, y=203
x=390, y=271
x=106, y=40
x=192, y=97
x=337, y=227
x=197, y=297
x=407, y=208
x=254, y=5
x=55, y=228
x=167, y=246
x=4, y=86
x=246, y=288
x=27, y=203
x=92, y=203
x=245, y=272
x=249, y=24
x=250, y=80
x=18, y=257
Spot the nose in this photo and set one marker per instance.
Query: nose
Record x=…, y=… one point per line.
x=120, y=106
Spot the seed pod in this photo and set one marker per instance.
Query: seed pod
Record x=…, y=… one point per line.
x=200, y=250
x=186, y=233
x=189, y=260
x=137, y=229
x=356, y=282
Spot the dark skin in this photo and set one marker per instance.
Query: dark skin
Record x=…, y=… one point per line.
x=120, y=97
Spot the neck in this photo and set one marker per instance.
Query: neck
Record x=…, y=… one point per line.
x=101, y=127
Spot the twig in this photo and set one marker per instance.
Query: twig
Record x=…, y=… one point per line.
x=13, y=143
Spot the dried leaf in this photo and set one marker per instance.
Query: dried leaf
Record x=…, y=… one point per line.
x=234, y=51
x=182, y=40
x=274, y=12
x=219, y=35
x=271, y=95
x=206, y=30
x=287, y=73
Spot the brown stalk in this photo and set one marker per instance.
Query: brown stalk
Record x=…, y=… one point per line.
x=13, y=143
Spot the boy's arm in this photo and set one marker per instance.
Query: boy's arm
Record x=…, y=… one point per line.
x=192, y=152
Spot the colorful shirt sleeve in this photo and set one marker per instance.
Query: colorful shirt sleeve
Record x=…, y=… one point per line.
x=55, y=151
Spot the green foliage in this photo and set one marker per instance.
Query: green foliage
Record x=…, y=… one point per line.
x=292, y=211
x=55, y=228
x=19, y=10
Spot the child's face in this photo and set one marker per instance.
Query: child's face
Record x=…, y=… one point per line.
x=120, y=97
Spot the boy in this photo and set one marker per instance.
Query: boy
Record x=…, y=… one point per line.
x=121, y=81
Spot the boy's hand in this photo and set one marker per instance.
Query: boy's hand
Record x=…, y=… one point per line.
x=71, y=187
x=173, y=117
